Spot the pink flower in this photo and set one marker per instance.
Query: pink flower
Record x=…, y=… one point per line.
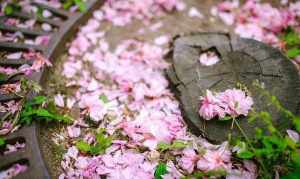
x=188, y=160
x=208, y=59
x=235, y=102
x=249, y=30
x=215, y=159
x=210, y=107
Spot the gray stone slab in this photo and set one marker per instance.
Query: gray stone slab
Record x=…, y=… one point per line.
x=242, y=61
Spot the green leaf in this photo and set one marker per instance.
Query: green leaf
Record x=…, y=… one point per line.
x=163, y=146
x=43, y=113
x=291, y=37
x=81, y=5
x=245, y=154
x=161, y=169
x=97, y=149
x=37, y=100
x=295, y=156
x=296, y=121
x=3, y=77
x=178, y=144
x=103, y=98
x=226, y=118
x=290, y=142
x=258, y=133
x=83, y=146
x=292, y=175
x=104, y=141
x=2, y=142
x=293, y=52
x=68, y=4
x=65, y=118
x=8, y=10
x=39, y=12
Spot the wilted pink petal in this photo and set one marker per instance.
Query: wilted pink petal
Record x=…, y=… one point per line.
x=13, y=171
x=293, y=135
x=188, y=160
x=208, y=59
x=16, y=55
x=70, y=102
x=46, y=27
x=156, y=26
x=215, y=159
x=161, y=40
x=42, y=40
x=73, y=131
x=59, y=100
x=194, y=12
x=10, y=148
x=173, y=172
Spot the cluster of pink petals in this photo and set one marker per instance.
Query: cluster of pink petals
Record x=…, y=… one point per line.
x=37, y=58
x=233, y=102
x=10, y=88
x=124, y=90
x=259, y=21
x=138, y=104
x=59, y=100
x=151, y=127
x=121, y=12
x=214, y=158
x=10, y=106
x=247, y=171
x=116, y=163
x=6, y=127
x=13, y=171
x=208, y=58
x=39, y=61
x=10, y=148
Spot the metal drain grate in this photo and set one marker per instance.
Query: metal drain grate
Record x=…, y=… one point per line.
x=63, y=30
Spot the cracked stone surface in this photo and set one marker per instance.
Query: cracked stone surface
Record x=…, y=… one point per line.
x=241, y=61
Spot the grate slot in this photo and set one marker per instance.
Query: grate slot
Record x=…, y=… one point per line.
x=27, y=32
x=14, y=62
x=20, y=47
x=9, y=97
x=58, y=12
x=27, y=16
x=11, y=158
